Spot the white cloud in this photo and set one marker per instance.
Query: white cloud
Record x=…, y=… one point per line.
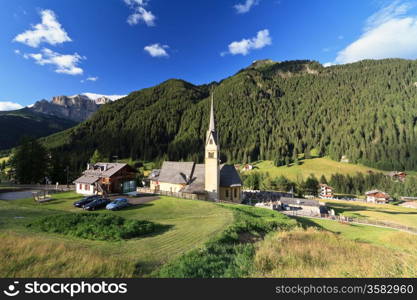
x=9, y=106
x=49, y=31
x=387, y=34
x=140, y=13
x=157, y=50
x=92, y=78
x=244, y=46
x=245, y=7
x=64, y=63
x=328, y=64
x=17, y=51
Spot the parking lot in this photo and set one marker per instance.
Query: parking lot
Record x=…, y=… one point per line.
x=140, y=199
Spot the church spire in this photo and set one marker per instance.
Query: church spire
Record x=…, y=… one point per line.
x=212, y=126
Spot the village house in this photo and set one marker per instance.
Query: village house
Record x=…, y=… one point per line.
x=247, y=167
x=398, y=176
x=325, y=191
x=376, y=196
x=210, y=180
x=106, y=177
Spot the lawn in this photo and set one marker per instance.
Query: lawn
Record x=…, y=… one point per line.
x=383, y=212
x=317, y=253
x=316, y=166
x=389, y=238
x=192, y=223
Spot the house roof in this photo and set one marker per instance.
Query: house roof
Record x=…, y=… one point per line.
x=375, y=192
x=87, y=179
x=299, y=201
x=193, y=175
x=104, y=169
x=154, y=174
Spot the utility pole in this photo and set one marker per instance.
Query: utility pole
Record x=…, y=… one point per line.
x=67, y=170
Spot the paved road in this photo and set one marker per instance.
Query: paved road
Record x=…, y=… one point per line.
x=17, y=195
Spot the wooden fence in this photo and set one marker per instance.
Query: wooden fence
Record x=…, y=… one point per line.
x=345, y=219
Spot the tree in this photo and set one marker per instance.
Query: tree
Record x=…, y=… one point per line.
x=97, y=157
x=323, y=179
x=283, y=184
x=30, y=162
x=311, y=185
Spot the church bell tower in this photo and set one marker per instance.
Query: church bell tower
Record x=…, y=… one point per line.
x=212, y=158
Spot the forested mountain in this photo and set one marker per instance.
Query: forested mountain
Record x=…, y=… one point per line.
x=24, y=122
x=366, y=111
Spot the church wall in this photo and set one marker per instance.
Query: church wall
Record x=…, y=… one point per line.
x=170, y=187
x=232, y=194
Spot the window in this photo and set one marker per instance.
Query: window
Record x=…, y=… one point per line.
x=211, y=141
x=80, y=186
x=227, y=194
x=86, y=187
x=235, y=193
x=211, y=154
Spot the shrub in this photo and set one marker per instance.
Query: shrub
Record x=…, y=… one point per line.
x=94, y=226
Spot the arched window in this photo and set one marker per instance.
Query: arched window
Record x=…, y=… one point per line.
x=211, y=154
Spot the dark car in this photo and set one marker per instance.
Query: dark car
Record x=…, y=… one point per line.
x=85, y=200
x=96, y=204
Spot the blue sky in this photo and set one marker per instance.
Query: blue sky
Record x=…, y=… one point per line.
x=67, y=47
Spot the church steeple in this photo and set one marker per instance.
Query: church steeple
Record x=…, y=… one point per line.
x=212, y=125
x=211, y=158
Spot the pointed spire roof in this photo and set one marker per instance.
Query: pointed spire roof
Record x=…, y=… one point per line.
x=212, y=126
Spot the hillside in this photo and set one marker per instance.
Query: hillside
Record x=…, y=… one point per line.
x=268, y=111
x=24, y=122
x=317, y=166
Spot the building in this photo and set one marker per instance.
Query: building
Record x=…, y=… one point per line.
x=398, y=176
x=303, y=206
x=325, y=191
x=210, y=180
x=376, y=196
x=106, y=177
x=247, y=167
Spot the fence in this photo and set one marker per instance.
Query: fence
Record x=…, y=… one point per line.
x=172, y=194
x=345, y=219
x=181, y=195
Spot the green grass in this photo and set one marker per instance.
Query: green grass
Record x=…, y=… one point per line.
x=367, y=234
x=317, y=253
x=382, y=212
x=316, y=166
x=229, y=254
x=192, y=223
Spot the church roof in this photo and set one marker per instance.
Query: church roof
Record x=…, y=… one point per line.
x=193, y=175
x=229, y=176
x=176, y=172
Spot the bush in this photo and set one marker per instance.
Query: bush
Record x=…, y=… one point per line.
x=94, y=226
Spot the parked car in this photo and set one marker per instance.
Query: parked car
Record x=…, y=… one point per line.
x=96, y=204
x=117, y=204
x=85, y=200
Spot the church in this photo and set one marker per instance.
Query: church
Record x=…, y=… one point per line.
x=211, y=180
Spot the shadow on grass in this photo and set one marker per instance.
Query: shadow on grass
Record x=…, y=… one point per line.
x=137, y=206
x=306, y=223
x=159, y=229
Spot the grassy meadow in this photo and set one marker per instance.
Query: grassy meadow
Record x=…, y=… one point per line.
x=382, y=212
x=191, y=223
x=316, y=253
x=317, y=166
x=204, y=239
